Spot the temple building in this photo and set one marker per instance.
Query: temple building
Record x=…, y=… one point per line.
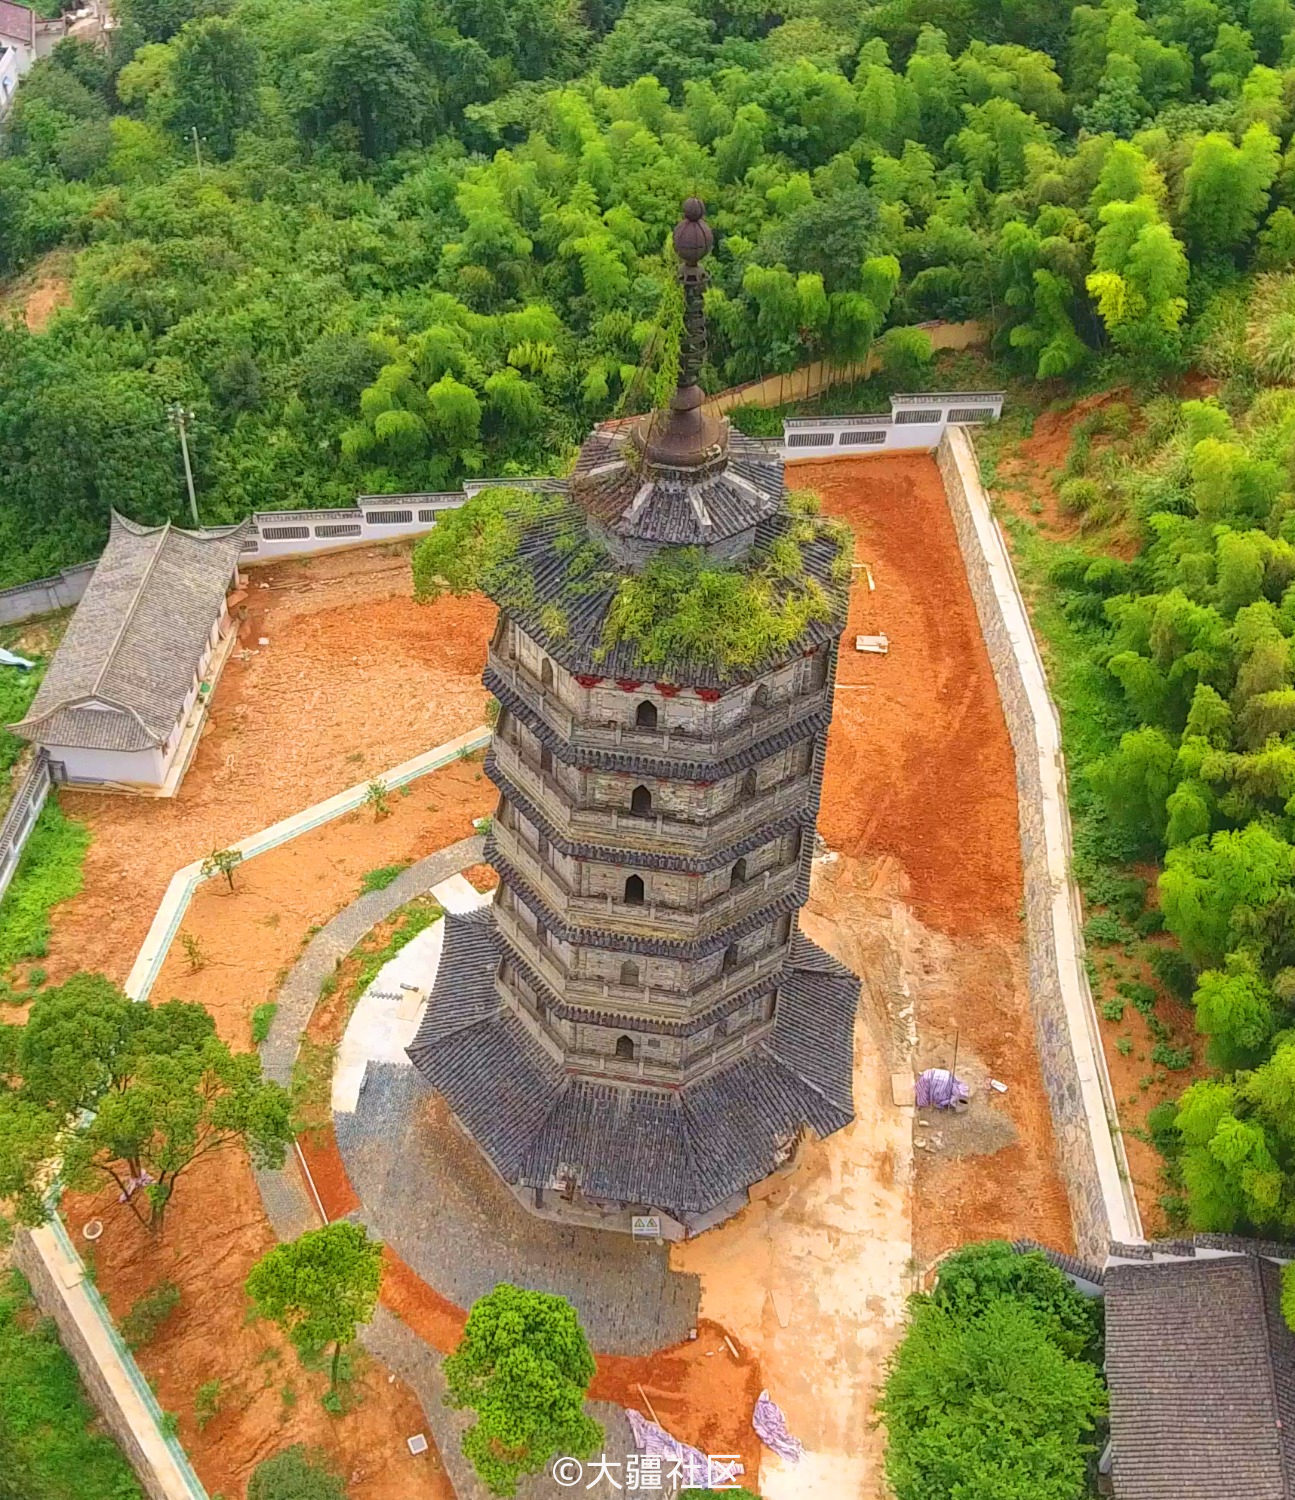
x=636, y=1026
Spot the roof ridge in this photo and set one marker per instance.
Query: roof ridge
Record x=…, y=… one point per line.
x=1270, y=1374
x=129, y=615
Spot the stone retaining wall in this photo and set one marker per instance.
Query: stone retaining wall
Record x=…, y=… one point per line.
x=117, y=1390
x=1089, y=1146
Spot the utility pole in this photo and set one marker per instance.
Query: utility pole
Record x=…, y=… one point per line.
x=197, y=150
x=180, y=417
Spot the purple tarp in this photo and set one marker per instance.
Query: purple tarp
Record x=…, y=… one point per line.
x=694, y=1470
x=938, y=1087
x=771, y=1428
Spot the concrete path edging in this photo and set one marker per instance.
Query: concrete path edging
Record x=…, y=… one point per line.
x=170, y=913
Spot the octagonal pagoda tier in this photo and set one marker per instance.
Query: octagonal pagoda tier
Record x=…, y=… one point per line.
x=636, y=1026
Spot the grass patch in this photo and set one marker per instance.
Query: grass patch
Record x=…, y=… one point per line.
x=48, y=872
x=262, y=1019
x=312, y=1085
x=48, y=1450
x=381, y=878
x=407, y=922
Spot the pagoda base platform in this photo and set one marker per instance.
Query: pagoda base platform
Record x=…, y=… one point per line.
x=601, y=1152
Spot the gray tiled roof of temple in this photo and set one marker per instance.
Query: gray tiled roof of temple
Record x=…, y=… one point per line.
x=688, y=1148
x=1201, y=1370
x=135, y=639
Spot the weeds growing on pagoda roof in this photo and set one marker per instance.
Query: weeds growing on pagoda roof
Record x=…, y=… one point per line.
x=679, y=607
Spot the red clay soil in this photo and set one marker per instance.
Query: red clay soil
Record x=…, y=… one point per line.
x=920, y=787
x=214, y=1232
x=249, y=937
x=356, y=678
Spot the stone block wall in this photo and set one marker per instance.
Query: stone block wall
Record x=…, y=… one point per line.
x=1089, y=1146
x=114, y=1385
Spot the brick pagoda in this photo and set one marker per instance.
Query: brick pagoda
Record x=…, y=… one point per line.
x=636, y=1026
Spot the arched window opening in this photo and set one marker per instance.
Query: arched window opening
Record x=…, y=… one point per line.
x=634, y=891
x=730, y=959
x=625, y=1048
x=546, y=675
x=748, y=784
x=546, y=760
x=761, y=699
x=645, y=715
x=630, y=973
x=641, y=802
x=737, y=876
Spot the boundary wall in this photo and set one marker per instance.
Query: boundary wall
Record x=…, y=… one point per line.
x=112, y=1379
x=21, y=814
x=1089, y=1144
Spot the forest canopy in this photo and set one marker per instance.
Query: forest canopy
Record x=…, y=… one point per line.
x=389, y=244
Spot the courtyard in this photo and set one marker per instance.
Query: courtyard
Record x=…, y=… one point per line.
x=919, y=891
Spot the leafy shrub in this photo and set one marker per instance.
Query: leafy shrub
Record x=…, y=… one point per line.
x=381, y=878
x=1113, y=1008
x=1140, y=995
x=982, y=1274
x=295, y=1474
x=262, y=1019
x=1173, y=1058
x=1104, y=930
x=147, y=1315
x=1078, y=495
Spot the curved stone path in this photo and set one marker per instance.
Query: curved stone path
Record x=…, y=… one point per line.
x=291, y=1212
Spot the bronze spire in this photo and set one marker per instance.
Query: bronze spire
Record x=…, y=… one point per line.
x=687, y=436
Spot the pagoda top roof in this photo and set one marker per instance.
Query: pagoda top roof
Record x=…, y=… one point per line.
x=645, y=502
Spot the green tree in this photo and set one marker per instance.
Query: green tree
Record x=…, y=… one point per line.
x=213, y=82
x=1214, y=891
x=523, y=1366
x=989, y=1405
x=295, y=1474
x=1225, y=189
x=319, y=1288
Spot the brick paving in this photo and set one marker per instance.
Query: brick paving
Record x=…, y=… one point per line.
x=429, y=1193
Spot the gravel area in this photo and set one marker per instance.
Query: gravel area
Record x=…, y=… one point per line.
x=429, y=1193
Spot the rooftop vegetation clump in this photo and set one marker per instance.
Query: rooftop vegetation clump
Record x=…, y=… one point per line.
x=679, y=607
x=682, y=608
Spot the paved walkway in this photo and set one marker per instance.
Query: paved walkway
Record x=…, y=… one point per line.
x=300, y=991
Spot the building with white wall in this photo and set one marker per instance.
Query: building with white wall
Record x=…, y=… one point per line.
x=124, y=698
x=24, y=37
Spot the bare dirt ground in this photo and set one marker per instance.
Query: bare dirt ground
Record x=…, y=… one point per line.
x=355, y=679
x=248, y=937
x=923, y=900
x=921, y=787
x=214, y=1232
x=39, y=291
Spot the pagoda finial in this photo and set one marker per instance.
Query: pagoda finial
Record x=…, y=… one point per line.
x=693, y=239
x=687, y=437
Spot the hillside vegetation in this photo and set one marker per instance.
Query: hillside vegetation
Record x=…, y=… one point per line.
x=425, y=239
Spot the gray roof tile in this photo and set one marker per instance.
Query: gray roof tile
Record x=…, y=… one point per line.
x=1201, y=1369
x=135, y=639
x=684, y=1150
